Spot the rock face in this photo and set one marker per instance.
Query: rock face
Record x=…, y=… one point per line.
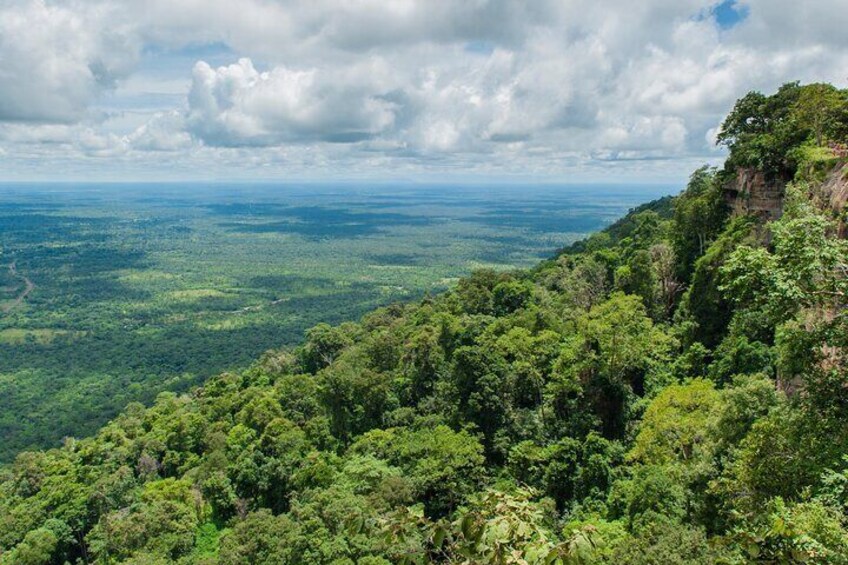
x=751, y=193
x=834, y=195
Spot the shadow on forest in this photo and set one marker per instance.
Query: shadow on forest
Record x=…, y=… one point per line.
x=318, y=222
x=540, y=220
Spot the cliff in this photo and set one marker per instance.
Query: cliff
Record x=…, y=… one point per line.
x=752, y=193
x=833, y=195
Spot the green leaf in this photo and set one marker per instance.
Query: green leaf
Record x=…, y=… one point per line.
x=439, y=537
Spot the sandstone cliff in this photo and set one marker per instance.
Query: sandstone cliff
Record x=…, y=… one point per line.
x=833, y=194
x=752, y=193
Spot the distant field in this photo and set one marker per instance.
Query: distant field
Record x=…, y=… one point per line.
x=142, y=288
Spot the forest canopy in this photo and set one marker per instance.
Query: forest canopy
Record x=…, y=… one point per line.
x=670, y=390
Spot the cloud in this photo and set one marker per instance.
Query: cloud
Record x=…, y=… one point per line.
x=788, y=26
x=238, y=105
x=165, y=131
x=54, y=59
x=345, y=87
x=311, y=30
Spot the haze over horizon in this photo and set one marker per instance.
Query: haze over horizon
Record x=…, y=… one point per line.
x=537, y=91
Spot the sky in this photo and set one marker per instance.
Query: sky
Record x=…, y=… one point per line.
x=417, y=90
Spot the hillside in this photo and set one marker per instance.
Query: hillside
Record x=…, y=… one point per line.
x=142, y=289
x=671, y=390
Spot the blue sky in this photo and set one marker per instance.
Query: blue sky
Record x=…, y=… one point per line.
x=542, y=90
x=729, y=13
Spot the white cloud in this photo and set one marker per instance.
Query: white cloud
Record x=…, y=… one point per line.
x=347, y=87
x=165, y=131
x=238, y=105
x=55, y=58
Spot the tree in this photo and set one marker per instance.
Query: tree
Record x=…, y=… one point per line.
x=622, y=336
x=750, y=398
x=760, y=132
x=474, y=293
x=794, y=533
x=163, y=523
x=623, y=345
x=664, y=542
x=534, y=417
x=509, y=296
x=445, y=467
x=263, y=539
x=355, y=396
x=806, y=269
x=480, y=377
x=423, y=361
x=504, y=529
x=676, y=423
x=699, y=215
x=323, y=345
x=653, y=493
x=817, y=107
x=704, y=303
x=637, y=278
x=668, y=288
x=37, y=548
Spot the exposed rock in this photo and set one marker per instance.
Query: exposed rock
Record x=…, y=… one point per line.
x=752, y=193
x=834, y=195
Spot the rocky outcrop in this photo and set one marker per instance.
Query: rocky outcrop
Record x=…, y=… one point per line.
x=753, y=193
x=834, y=195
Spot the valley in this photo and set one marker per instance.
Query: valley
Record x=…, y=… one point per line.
x=115, y=293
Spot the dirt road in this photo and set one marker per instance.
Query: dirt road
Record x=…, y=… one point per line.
x=28, y=287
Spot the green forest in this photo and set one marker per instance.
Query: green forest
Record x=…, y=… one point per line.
x=142, y=288
x=671, y=390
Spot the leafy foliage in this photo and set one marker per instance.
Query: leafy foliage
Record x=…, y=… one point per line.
x=671, y=391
